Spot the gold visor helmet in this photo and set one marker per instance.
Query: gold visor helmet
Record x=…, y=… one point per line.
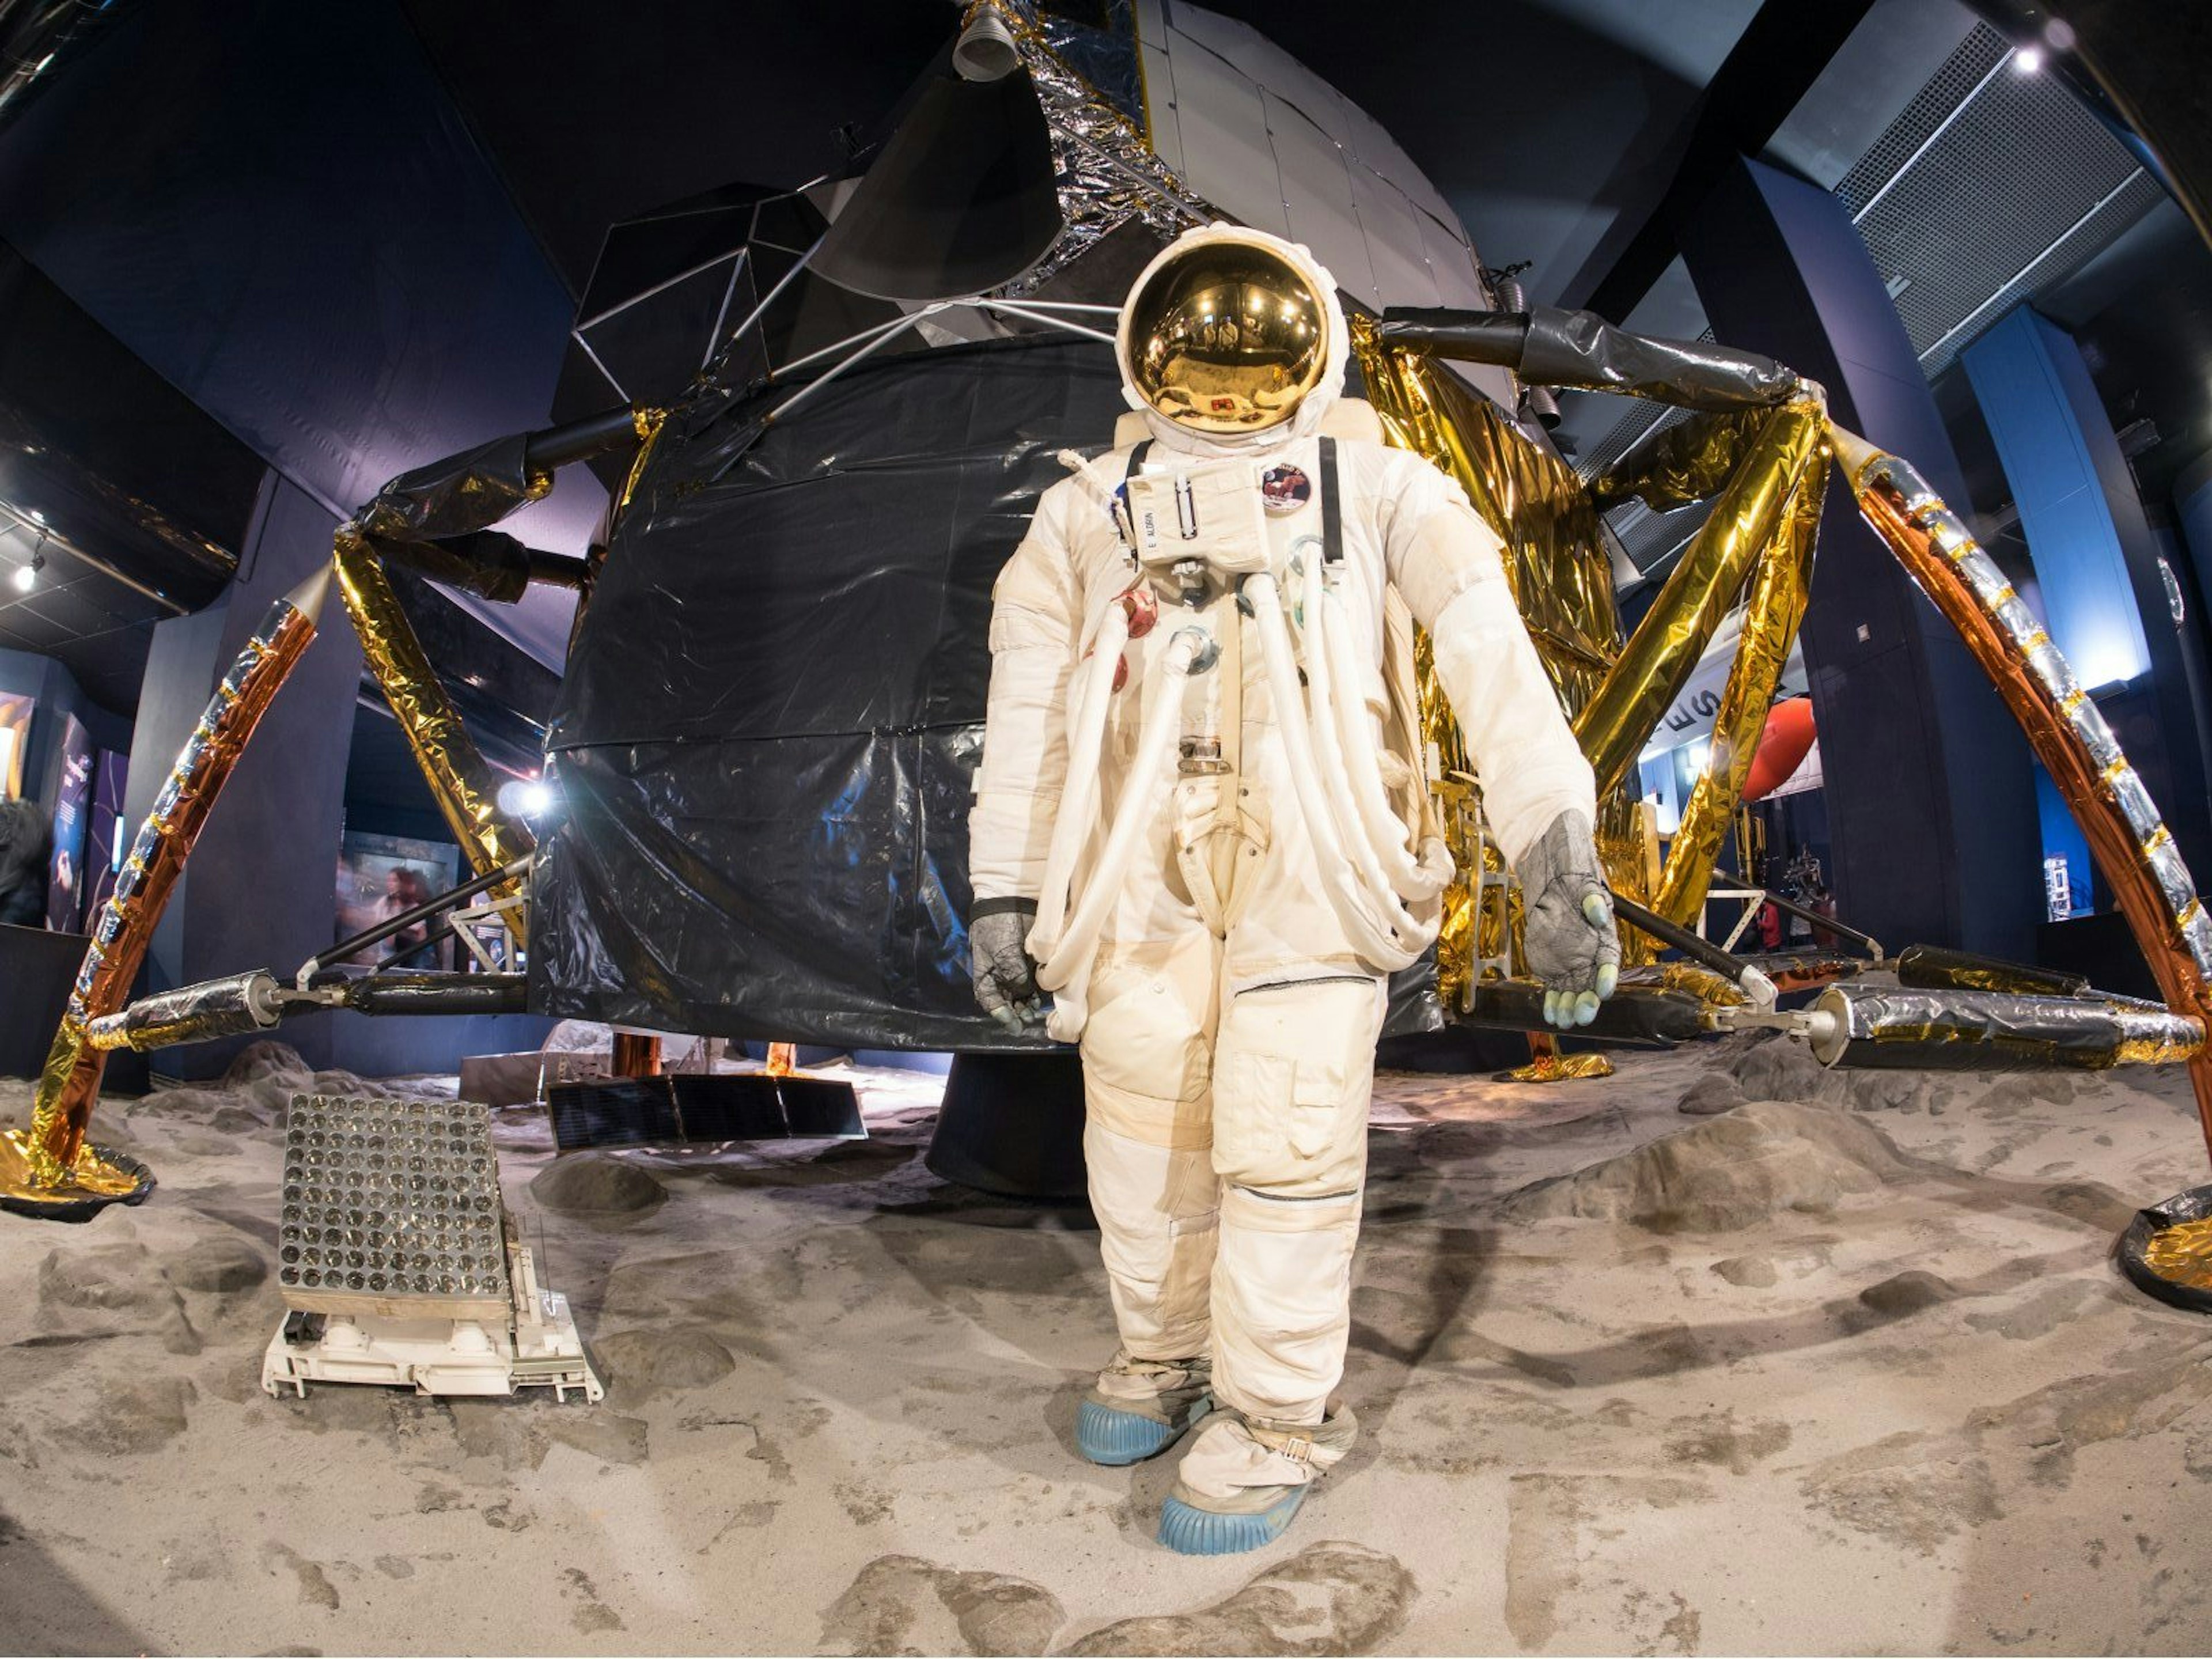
x=1226, y=336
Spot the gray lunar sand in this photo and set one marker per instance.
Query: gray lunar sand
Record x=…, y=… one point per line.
x=1843, y=1367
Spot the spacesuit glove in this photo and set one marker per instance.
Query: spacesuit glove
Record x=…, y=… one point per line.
x=1006, y=978
x=1567, y=917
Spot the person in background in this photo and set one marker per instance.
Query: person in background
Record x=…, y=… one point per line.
x=24, y=849
x=1770, y=927
x=1768, y=923
x=404, y=889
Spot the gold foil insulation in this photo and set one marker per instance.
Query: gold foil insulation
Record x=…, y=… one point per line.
x=53, y=1157
x=465, y=788
x=1690, y=978
x=1548, y=1065
x=1781, y=583
x=1562, y=581
x=2182, y=1253
x=1751, y=515
x=1931, y=968
x=2134, y=850
x=1680, y=462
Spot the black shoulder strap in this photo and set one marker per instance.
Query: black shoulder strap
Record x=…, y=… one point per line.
x=1332, y=508
x=1137, y=458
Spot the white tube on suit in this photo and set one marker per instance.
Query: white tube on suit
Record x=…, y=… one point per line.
x=1415, y=880
x=1066, y=968
x=1375, y=935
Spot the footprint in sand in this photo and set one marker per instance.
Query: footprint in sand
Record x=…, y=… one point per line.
x=591, y=1614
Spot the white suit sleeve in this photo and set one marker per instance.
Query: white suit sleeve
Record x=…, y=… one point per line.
x=1035, y=619
x=1446, y=562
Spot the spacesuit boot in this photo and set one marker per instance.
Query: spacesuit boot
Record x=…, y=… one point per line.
x=1139, y=1407
x=1245, y=1477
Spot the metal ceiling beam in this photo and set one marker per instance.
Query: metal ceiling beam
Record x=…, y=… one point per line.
x=1774, y=62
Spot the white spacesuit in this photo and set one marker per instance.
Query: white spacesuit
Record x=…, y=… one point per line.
x=1201, y=819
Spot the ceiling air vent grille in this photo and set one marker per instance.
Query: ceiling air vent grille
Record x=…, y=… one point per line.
x=1993, y=186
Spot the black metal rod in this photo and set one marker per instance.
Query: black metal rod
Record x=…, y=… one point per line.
x=579, y=440
x=1633, y=1013
x=1698, y=950
x=1826, y=924
x=384, y=929
x=439, y=994
x=557, y=569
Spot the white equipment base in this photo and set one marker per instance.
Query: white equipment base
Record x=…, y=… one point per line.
x=536, y=1348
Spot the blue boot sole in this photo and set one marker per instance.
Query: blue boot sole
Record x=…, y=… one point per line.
x=1114, y=1438
x=1190, y=1531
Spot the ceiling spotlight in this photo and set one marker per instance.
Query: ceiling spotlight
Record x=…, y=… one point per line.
x=2027, y=60
x=26, y=575
x=985, y=50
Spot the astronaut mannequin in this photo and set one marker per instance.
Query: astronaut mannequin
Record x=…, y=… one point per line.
x=1200, y=824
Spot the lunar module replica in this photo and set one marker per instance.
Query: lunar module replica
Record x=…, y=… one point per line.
x=825, y=416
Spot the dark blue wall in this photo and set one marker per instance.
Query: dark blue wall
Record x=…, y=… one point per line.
x=28, y=674
x=1931, y=804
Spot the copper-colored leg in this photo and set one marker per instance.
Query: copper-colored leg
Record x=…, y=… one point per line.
x=51, y=1170
x=636, y=1054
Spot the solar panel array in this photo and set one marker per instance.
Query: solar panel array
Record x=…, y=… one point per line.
x=391, y=1198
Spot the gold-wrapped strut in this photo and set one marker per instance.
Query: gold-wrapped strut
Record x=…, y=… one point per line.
x=234, y=1006
x=1751, y=514
x=466, y=792
x=1781, y=583
x=1872, y=1025
x=51, y=1168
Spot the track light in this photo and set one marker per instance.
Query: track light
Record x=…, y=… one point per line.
x=985, y=50
x=2028, y=59
x=26, y=575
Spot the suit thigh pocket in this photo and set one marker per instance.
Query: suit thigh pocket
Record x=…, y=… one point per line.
x=1294, y=1073
x=1144, y=1037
